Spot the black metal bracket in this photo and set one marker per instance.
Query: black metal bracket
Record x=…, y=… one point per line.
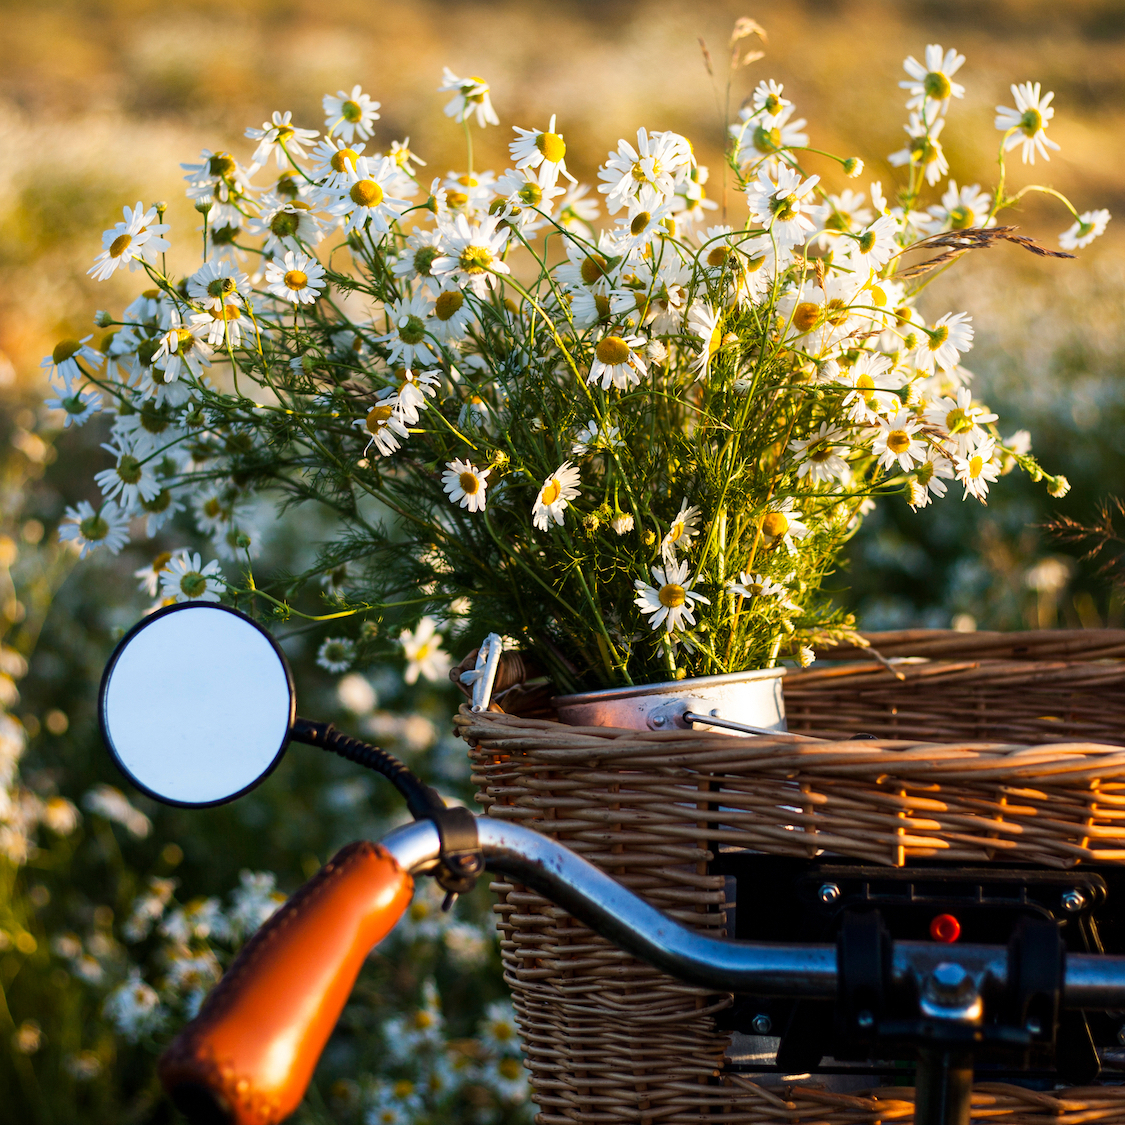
x=461, y=858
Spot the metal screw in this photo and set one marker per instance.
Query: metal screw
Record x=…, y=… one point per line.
x=761, y=1024
x=1073, y=901
x=716, y=713
x=1034, y=1026
x=865, y=1019
x=659, y=721
x=828, y=894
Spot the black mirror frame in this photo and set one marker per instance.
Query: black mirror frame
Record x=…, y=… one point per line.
x=112, y=663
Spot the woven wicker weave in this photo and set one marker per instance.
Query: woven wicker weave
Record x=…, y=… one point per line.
x=609, y=1039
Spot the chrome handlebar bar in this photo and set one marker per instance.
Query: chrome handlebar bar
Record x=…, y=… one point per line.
x=720, y=964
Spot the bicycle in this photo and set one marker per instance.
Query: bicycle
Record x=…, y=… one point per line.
x=249, y=1054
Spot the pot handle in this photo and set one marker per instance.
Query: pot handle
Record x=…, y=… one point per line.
x=248, y=1056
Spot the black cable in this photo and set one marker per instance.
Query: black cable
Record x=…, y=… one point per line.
x=422, y=801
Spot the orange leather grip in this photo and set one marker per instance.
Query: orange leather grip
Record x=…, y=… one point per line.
x=247, y=1058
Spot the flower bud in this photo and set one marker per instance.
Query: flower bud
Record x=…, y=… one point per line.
x=103, y=319
x=853, y=167
x=805, y=656
x=650, y=538
x=203, y=206
x=622, y=523
x=1058, y=487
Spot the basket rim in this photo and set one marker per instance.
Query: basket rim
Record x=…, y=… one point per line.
x=679, y=687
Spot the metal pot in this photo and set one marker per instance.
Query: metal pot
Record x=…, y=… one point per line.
x=742, y=703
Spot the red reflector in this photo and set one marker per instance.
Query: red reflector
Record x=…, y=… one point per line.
x=945, y=928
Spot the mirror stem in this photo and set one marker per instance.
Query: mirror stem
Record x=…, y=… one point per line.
x=421, y=800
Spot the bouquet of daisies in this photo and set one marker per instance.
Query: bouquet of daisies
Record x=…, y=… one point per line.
x=635, y=446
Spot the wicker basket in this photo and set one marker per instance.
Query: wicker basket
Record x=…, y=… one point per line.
x=609, y=1039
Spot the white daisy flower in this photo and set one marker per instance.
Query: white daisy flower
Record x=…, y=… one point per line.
x=874, y=383
x=417, y=258
x=705, y=323
x=595, y=268
x=1090, y=225
x=929, y=479
x=960, y=420
x=407, y=338
x=89, y=529
x=424, y=654
x=472, y=253
x=129, y=480
x=217, y=283
x=466, y=484
x=136, y=240
x=367, y=194
x=616, y=362
x=672, y=601
x=942, y=347
x=286, y=224
x=761, y=139
x=332, y=158
x=923, y=148
x=536, y=148
x=782, y=523
x=186, y=579
x=299, y=279
x=818, y=457
x=350, y=115
x=336, y=654
x=756, y=586
x=780, y=204
x=845, y=213
x=977, y=469
x=527, y=198
x=575, y=207
x=280, y=136
x=469, y=193
x=961, y=208
x=1028, y=122
x=472, y=98
x=684, y=529
x=933, y=82
x=221, y=181
x=872, y=248
x=62, y=363
x=450, y=316
x=180, y=347
x=591, y=438
x=158, y=511
x=384, y=426
x=896, y=441
x=409, y=395
x=767, y=100
x=647, y=172
x=221, y=324
x=405, y=159
x=555, y=496
x=78, y=408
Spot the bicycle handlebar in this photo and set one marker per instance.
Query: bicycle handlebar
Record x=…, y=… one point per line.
x=248, y=1056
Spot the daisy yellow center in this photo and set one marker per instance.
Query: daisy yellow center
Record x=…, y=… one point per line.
x=836, y=312
x=805, y=316
x=351, y=111
x=923, y=150
x=716, y=340
x=671, y=595
x=129, y=469
x=898, y=441
x=502, y=1032
x=448, y=303
x=193, y=584
x=296, y=279
x=718, y=255
x=152, y=420
x=837, y=221
x=64, y=349
x=456, y=198
x=938, y=337
x=639, y=172
x=424, y=258
x=767, y=140
x=957, y=421
x=867, y=242
x=470, y=483
x=378, y=417
x=772, y=104
x=221, y=164
x=284, y=224
x=866, y=387
x=925, y=472
x=640, y=221
x=820, y=453
x=342, y=157
x=184, y=340
x=366, y=193
x=937, y=86
x=593, y=267
x=612, y=351
x=93, y=528
x=404, y=1088
x=775, y=524
x=423, y=1019
x=784, y=209
x=220, y=287
x=601, y=303
x=228, y=312
x=413, y=331
x=159, y=503
x=119, y=245
x=552, y=147
x=531, y=194
x=976, y=465
x=1031, y=122
x=509, y=1069
x=475, y=259
x=961, y=218
x=213, y=508
x=552, y=490
x=468, y=181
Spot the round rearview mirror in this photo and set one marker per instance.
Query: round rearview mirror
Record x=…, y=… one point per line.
x=196, y=704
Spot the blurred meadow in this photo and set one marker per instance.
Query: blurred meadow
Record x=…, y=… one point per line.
x=99, y=104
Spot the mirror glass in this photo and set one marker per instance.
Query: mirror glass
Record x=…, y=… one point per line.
x=196, y=704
